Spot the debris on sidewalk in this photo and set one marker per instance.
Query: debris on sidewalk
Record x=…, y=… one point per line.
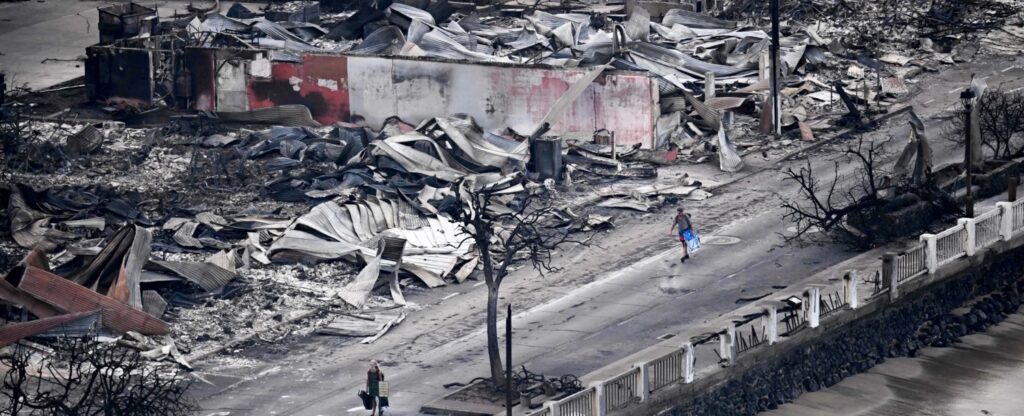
x=369, y=326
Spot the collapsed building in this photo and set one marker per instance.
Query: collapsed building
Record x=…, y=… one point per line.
x=279, y=68
x=411, y=65
x=367, y=119
x=667, y=74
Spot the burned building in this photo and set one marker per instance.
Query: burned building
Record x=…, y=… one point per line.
x=343, y=87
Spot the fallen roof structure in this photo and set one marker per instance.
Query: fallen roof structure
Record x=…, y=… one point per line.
x=70, y=297
x=71, y=324
x=331, y=230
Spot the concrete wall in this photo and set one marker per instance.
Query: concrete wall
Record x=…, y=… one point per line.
x=336, y=87
x=500, y=96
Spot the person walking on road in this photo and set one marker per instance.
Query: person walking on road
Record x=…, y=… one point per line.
x=373, y=379
x=683, y=225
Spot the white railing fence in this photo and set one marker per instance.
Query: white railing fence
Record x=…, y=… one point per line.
x=581, y=403
x=950, y=244
x=666, y=370
x=802, y=310
x=910, y=263
x=1018, y=215
x=986, y=228
x=622, y=389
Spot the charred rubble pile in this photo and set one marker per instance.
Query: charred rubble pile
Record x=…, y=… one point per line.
x=840, y=62
x=875, y=23
x=187, y=239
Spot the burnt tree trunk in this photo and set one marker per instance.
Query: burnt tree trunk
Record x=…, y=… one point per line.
x=483, y=242
x=493, y=352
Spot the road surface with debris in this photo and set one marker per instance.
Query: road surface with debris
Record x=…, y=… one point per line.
x=607, y=301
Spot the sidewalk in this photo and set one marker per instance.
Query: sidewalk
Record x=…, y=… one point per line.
x=865, y=264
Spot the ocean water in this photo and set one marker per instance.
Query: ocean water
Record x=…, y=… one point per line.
x=982, y=375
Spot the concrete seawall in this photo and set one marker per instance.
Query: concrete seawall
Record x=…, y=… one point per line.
x=981, y=374
x=961, y=298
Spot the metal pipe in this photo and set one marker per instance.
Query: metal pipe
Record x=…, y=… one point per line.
x=1011, y=192
x=968, y=166
x=508, y=361
x=776, y=102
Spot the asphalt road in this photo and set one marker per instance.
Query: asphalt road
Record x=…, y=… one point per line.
x=580, y=331
x=579, y=328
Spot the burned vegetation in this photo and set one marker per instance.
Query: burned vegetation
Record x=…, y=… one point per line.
x=78, y=376
x=865, y=201
x=1000, y=120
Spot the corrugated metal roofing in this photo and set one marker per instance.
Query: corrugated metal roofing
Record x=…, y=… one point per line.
x=277, y=32
x=333, y=230
x=90, y=324
x=71, y=297
x=13, y=295
x=208, y=276
x=72, y=323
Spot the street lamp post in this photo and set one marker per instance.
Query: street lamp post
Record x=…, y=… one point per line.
x=967, y=99
x=508, y=361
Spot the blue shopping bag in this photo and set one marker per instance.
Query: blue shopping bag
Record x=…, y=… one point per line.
x=692, y=241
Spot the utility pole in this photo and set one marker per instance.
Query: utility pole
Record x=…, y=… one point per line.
x=967, y=99
x=508, y=361
x=776, y=102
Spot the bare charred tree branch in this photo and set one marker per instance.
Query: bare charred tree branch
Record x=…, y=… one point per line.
x=827, y=209
x=1001, y=119
x=84, y=377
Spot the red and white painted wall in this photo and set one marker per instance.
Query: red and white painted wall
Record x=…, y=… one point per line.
x=338, y=87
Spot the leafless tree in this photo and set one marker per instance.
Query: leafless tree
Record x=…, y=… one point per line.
x=1001, y=120
x=848, y=208
x=826, y=207
x=524, y=228
x=83, y=377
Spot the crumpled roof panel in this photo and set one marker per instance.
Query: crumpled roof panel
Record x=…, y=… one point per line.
x=333, y=230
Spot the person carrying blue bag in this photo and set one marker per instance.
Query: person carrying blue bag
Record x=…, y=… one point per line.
x=688, y=237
